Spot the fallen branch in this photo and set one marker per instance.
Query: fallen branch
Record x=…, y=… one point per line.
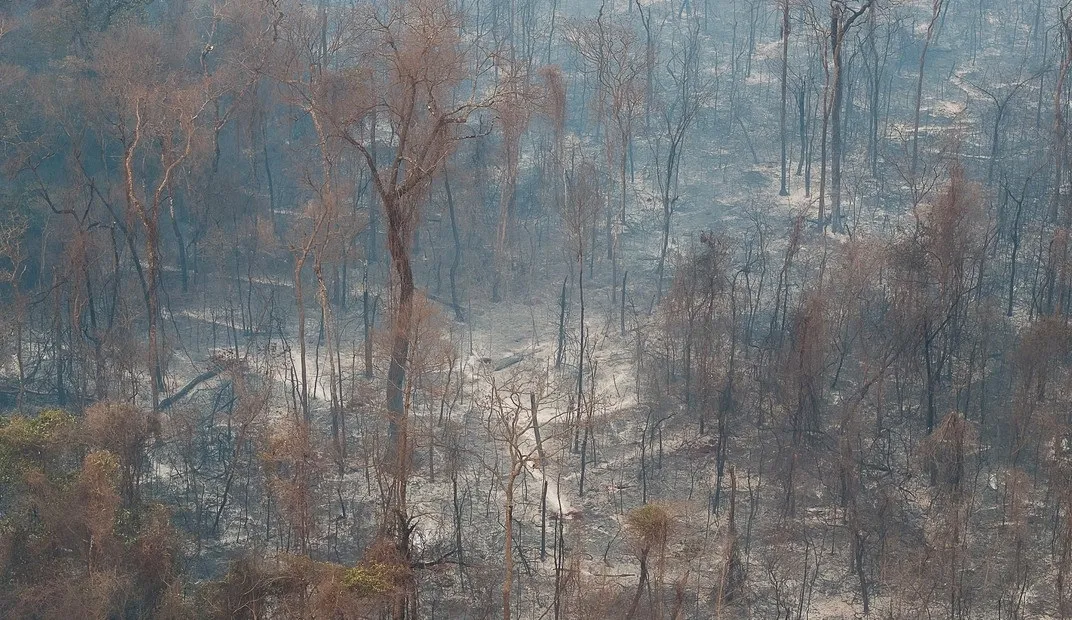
x=446, y=559
x=505, y=363
x=198, y=380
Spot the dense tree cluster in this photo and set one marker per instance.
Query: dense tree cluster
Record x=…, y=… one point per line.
x=531, y=309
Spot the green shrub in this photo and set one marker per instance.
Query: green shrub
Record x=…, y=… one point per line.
x=369, y=579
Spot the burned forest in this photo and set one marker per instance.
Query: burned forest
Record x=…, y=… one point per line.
x=536, y=310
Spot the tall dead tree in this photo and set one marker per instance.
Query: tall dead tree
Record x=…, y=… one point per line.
x=1060, y=123
x=680, y=106
x=610, y=50
x=514, y=113
x=842, y=18
x=937, y=7
x=159, y=115
x=424, y=63
x=784, y=133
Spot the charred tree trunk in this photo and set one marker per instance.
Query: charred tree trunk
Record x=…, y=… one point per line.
x=785, y=96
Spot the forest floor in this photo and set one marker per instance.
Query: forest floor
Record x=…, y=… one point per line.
x=507, y=346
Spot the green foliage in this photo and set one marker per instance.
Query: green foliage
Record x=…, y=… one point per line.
x=373, y=578
x=67, y=545
x=104, y=461
x=43, y=428
x=34, y=441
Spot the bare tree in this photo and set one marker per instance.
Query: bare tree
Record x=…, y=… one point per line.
x=937, y=8
x=611, y=52
x=842, y=18
x=422, y=98
x=686, y=94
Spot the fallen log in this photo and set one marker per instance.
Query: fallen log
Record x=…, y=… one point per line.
x=208, y=375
